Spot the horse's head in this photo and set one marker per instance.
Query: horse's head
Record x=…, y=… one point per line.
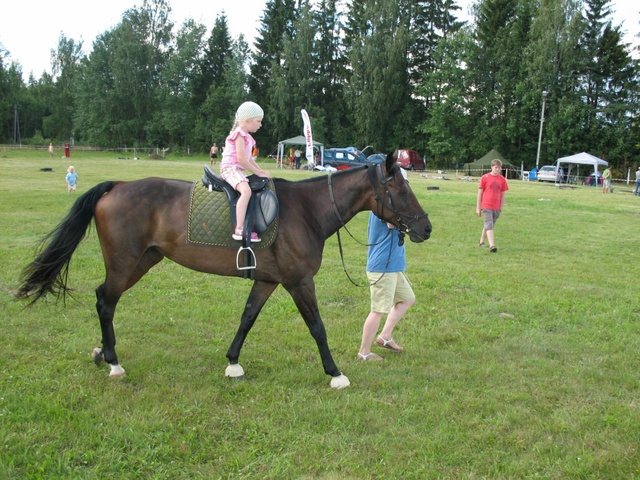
x=396, y=203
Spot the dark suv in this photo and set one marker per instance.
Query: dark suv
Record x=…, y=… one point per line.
x=342, y=158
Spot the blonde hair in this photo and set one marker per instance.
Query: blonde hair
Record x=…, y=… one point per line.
x=70, y=169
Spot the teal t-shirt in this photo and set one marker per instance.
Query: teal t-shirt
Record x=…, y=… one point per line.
x=381, y=239
x=72, y=178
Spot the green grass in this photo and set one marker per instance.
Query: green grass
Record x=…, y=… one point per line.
x=522, y=364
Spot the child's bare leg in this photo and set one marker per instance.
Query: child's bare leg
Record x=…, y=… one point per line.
x=243, y=203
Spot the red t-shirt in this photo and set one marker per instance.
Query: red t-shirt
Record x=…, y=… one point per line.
x=493, y=187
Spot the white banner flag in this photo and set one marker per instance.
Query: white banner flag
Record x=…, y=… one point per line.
x=308, y=136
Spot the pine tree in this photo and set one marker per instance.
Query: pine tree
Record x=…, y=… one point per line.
x=328, y=110
x=608, y=76
x=378, y=85
x=66, y=64
x=276, y=26
x=501, y=31
x=295, y=80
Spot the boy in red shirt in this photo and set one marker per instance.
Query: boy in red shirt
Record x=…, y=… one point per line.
x=491, y=191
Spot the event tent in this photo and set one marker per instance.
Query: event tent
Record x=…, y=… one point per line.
x=582, y=159
x=301, y=141
x=483, y=165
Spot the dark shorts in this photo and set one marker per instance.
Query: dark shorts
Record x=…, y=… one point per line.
x=490, y=218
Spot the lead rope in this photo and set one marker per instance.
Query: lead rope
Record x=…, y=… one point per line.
x=344, y=266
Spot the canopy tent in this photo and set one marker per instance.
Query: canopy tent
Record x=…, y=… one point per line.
x=483, y=165
x=300, y=140
x=581, y=159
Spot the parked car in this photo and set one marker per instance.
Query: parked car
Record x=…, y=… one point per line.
x=410, y=160
x=548, y=174
x=591, y=179
x=377, y=158
x=342, y=158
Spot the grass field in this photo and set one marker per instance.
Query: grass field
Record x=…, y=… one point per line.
x=520, y=364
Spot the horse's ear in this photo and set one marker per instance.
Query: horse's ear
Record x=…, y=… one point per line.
x=390, y=162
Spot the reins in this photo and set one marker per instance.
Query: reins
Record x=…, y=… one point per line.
x=335, y=210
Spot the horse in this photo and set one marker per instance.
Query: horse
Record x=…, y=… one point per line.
x=141, y=222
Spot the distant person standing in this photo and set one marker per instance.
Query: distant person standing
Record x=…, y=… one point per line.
x=51, y=150
x=491, y=191
x=213, y=154
x=298, y=157
x=606, y=176
x=637, y=190
x=72, y=179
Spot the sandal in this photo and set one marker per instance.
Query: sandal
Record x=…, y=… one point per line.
x=370, y=357
x=384, y=343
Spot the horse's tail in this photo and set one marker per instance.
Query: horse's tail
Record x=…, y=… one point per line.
x=49, y=271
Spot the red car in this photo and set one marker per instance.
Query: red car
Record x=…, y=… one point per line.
x=410, y=160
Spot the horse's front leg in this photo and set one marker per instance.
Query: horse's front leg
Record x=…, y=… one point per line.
x=260, y=293
x=304, y=295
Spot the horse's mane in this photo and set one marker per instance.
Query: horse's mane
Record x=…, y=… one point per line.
x=322, y=178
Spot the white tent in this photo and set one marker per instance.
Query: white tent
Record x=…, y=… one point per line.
x=582, y=159
x=299, y=140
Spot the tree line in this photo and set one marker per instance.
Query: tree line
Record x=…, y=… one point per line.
x=385, y=73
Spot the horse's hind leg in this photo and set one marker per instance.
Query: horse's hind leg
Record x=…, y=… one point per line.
x=107, y=296
x=106, y=305
x=260, y=293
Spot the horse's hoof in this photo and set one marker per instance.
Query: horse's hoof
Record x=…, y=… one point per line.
x=234, y=371
x=116, y=371
x=340, y=382
x=97, y=356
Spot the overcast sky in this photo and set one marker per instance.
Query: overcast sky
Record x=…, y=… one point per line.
x=30, y=29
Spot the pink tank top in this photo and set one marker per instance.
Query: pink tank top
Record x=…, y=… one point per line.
x=230, y=155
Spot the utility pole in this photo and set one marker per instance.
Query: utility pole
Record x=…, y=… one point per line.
x=16, y=126
x=544, y=102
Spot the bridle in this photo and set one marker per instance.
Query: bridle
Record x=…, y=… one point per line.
x=403, y=227
x=374, y=176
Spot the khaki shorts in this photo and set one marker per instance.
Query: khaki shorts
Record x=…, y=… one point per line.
x=233, y=176
x=490, y=217
x=392, y=288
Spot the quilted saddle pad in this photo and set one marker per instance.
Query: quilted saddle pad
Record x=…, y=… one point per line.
x=210, y=221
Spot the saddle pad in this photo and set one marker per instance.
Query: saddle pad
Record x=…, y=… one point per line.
x=210, y=221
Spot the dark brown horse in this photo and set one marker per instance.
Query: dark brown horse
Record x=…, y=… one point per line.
x=141, y=222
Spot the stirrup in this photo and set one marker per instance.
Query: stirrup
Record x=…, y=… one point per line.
x=253, y=256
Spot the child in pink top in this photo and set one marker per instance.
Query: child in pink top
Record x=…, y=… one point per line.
x=236, y=158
